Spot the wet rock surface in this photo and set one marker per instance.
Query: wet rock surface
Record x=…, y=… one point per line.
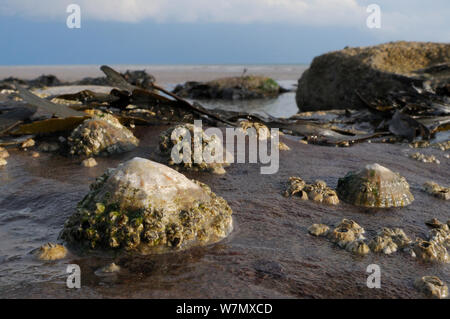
x=150, y=208
x=334, y=78
x=101, y=135
x=233, y=88
x=375, y=186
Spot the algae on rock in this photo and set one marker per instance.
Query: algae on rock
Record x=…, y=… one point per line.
x=148, y=207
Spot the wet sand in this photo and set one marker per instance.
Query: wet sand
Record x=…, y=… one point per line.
x=269, y=254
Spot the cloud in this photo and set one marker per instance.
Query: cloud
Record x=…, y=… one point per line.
x=308, y=12
x=402, y=19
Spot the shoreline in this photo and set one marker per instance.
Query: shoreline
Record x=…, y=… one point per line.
x=164, y=74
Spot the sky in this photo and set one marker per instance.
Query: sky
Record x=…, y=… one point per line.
x=207, y=31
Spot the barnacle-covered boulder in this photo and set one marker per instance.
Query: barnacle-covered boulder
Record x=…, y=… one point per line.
x=375, y=186
x=148, y=207
x=191, y=142
x=432, y=287
x=101, y=135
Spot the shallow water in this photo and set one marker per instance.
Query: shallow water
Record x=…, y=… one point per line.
x=269, y=254
x=282, y=106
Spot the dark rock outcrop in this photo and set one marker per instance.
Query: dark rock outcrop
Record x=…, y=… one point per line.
x=231, y=88
x=334, y=78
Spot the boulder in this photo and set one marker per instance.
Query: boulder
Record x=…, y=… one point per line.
x=148, y=207
x=333, y=79
x=101, y=135
x=138, y=78
x=231, y=88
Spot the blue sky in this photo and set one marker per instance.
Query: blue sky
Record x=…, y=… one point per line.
x=207, y=31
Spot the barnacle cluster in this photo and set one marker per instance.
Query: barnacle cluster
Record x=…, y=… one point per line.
x=397, y=235
x=430, y=251
x=436, y=190
x=347, y=235
x=419, y=144
x=168, y=212
x=51, y=251
x=383, y=244
x=432, y=287
x=101, y=135
x=191, y=143
x=3, y=154
x=374, y=186
x=350, y=236
x=318, y=191
x=261, y=131
x=443, y=146
x=424, y=158
x=319, y=229
x=439, y=233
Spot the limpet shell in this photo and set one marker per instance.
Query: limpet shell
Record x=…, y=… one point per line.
x=375, y=186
